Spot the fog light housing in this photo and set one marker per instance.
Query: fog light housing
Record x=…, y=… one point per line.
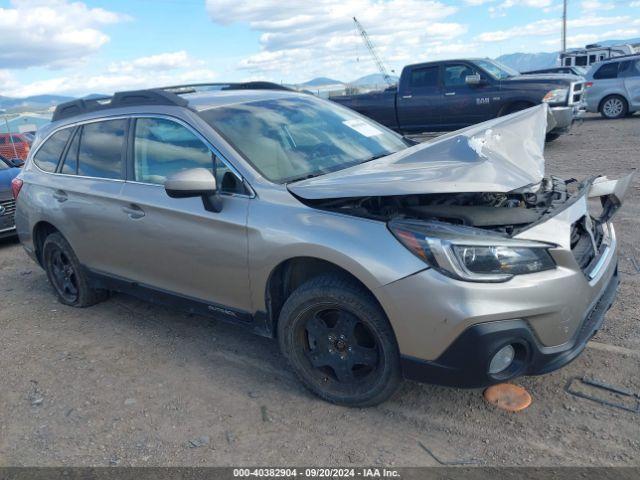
x=502, y=359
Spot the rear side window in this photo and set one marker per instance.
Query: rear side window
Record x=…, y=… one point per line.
x=100, y=149
x=424, y=77
x=606, y=71
x=70, y=163
x=48, y=155
x=163, y=147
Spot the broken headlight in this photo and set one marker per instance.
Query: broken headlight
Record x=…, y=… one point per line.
x=471, y=254
x=559, y=95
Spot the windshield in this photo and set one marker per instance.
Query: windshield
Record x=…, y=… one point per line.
x=3, y=165
x=581, y=70
x=496, y=69
x=292, y=138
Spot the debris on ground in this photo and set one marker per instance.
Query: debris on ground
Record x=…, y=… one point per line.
x=507, y=396
x=199, y=442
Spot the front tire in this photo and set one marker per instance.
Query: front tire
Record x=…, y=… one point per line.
x=614, y=106
x=339, y=342
x=66, y=275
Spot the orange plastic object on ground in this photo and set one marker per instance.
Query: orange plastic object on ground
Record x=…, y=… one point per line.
x=508, y=396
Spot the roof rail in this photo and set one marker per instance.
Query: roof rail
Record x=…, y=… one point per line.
x=119, y=99
x=637, y=54
x=154, y=96
x=194, y=87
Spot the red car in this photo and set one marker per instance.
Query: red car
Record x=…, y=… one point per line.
x=14, y=145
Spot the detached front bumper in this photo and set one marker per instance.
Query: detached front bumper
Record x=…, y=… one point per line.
x=565, y=116
x=465, y=363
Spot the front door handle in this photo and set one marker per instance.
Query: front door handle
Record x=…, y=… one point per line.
x=407, y=96
x=448, y=94
x=133, y=211
x=60, y=196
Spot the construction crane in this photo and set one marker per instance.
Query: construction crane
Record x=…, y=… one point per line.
x=372, y=51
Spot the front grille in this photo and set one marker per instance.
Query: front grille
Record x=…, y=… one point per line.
x=582, y=246
x=7, y=219
x=575, y=93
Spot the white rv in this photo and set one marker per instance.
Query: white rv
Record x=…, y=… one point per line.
x=584, y=57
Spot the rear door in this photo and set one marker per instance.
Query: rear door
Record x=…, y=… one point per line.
x=630, y=73
x=85, y=195
x=174, y=244
x=419, y=100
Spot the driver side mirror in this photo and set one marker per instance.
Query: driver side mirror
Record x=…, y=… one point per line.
x=473, y=79
x=17, y=162
x=195, y=182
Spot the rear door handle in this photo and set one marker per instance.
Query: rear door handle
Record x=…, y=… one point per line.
x=133, y=211
x=407, y=96
x=60, y=196
x=448, y=94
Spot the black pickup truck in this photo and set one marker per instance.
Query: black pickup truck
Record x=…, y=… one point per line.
x=451, y=94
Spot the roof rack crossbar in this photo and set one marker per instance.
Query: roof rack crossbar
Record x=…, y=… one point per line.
x=155, y=96
x=254, y=85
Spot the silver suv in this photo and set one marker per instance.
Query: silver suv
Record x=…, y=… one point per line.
x=369, y=257
x=613, y=87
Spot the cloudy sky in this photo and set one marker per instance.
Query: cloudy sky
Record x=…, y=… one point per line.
x=79, y=47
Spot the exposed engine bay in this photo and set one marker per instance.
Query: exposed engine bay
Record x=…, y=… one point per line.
x=507, y=213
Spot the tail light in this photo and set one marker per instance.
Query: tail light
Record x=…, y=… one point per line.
x=16, y=185
x=588, y=84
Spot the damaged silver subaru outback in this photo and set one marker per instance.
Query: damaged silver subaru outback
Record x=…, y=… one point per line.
x=369, y=257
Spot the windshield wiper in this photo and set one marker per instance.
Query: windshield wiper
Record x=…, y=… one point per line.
x=306, y=176
x=374, y=157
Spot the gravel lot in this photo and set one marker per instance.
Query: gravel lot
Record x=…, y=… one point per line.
x=128, y=383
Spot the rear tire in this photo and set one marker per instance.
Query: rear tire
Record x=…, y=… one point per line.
x=339, y=342
x=614, y=106
x=66, y=275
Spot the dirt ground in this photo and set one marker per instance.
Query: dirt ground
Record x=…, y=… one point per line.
x=128, y=383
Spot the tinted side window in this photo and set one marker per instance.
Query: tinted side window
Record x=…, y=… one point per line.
x=424, y=77
x=100, y=150
x=608, y=70
x=163, y=147
x=630, y=68
x=49, y=154
x=581, y=61
x=70, y=163
x=455, y=75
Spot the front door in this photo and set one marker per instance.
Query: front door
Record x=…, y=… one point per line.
x=465, y=104
x=630, y=71
x=174, y=244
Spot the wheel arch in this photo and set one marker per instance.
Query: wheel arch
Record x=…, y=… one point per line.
x=289, y=274
x=508, y=107
x=41, y=230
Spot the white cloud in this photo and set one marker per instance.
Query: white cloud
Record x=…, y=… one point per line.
x=596, y=5
x=301, y=38
x=526, y=3
x=635, y=4
x=145, y=72
x=550, y=27
x=51, y=33
x=159, y=62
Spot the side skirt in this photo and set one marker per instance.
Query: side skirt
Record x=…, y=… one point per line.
x=257, y=323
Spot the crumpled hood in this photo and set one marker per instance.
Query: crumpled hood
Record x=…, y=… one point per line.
x=500, y=155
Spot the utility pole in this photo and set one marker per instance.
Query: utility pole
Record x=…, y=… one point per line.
x=564, y=26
